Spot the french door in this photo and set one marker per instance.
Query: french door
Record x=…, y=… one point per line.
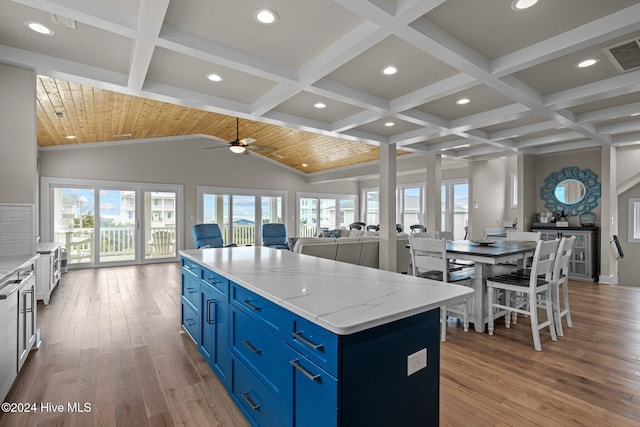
x=103, y=223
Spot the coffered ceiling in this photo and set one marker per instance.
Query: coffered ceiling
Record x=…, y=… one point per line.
x=125, y=60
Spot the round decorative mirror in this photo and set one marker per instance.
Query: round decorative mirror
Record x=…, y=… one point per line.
x=571, y=191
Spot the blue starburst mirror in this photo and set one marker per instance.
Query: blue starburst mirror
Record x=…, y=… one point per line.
x=572, y=190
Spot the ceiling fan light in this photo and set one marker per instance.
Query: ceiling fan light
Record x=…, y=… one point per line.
x=238, y=149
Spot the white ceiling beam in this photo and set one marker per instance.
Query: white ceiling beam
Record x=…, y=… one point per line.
x=569, y=146
x=630, y=126
x=627, y=139
x=150, y=18
x=442, y=88
x=522, y=130
x=609, y=113
x=421, y=118
x=356, y=120
x=543, y=140
x=489, y=118
x=477, y=135
x=343, y=93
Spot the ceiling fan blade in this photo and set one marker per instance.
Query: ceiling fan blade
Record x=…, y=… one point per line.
x=220, y=146
x=262, y=147
x=247, y=141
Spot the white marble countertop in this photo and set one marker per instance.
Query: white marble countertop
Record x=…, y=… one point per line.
x=47, y=247
x=342, y=298
x=10, y=263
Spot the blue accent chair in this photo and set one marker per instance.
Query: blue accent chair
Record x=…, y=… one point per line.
x=274, y=236
x=208, y=236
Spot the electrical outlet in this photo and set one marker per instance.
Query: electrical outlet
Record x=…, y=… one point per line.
x=416, y=361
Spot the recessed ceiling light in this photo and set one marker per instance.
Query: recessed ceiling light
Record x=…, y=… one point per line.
x=389, y=124
x=70, y=137
x=304, y=165
x=39, y=28
x=522, y=4
x=265, y=16
x=320, y=105
x=635, y=114
x=461, y=146
x=214, y=77
x=587, y=62
x=463, y=101
x=389, y=70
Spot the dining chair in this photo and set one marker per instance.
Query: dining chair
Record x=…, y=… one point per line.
x=560, y=283
x=418, y=228
x=536, y=286
x=399, y=228
x=274, y=235
x=357, y=225
x=429, y=260
x=372, y=227
x=208, y=236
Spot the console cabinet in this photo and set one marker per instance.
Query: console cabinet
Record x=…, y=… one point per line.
x=584, y=264
x=283, y=370
x=48, y=269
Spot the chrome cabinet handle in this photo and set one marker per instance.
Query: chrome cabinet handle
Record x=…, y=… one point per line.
x=190, y=290
x=304, y=372
x=250, y=402
x=189, y=322
x=251, y=306
x=298, y=336
x=248, y=344
x=212, y=281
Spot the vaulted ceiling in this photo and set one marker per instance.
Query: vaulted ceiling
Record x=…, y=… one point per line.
x=140, y=67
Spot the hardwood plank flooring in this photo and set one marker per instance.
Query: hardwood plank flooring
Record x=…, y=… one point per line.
x=110, y=338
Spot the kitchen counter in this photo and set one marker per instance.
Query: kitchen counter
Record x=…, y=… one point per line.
x=47, y=247
x=342, y=298
x=9, y=264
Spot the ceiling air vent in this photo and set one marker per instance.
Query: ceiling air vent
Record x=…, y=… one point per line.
x=625, y=56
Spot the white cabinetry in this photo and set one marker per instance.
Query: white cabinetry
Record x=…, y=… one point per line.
x=48, y=269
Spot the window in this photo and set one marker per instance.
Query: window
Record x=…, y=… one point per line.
x=409, y=205
x=634, y=220
x=317, y=212
x=240, y=213
x=455, y=207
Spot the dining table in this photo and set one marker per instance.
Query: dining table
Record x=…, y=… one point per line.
x=486, y=255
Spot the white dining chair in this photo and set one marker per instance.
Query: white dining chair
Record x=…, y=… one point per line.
x=560, y=284
x=536, y=286
x=429, y=260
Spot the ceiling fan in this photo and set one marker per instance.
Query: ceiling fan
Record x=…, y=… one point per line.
x=240, y=146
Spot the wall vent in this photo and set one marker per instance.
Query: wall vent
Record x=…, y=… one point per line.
x=625, y=56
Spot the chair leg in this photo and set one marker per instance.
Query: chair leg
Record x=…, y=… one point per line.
x=533, y=315
x=565, y=297
x=507, y=302
x=557, y=315
x=549, y=306
x=465, y=314
x=490, y=309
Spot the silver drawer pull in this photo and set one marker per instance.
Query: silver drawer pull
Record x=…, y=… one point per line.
x=251, y=306
x=304, y=372
x=210, y=320
x=190, y=290
x=298, y=336
x=212, y=281
x=187, y=267
x=254, y=350
x=189, y=322
x=250, y=402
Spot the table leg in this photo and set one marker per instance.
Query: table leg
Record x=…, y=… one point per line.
x=479, y=297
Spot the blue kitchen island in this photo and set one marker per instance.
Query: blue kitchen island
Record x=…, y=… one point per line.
x=303, y=341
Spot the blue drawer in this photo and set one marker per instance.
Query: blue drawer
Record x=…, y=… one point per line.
x=190, y=320
x=265, y=354
x=216, y=280
x=191, y=289
x=315, y=343
x=266, y=313
x=190, y=267
x=259, y=406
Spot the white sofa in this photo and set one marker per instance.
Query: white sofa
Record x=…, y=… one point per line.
x=359, y=249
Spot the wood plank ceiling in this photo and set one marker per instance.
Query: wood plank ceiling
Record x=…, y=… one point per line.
x=92, y=115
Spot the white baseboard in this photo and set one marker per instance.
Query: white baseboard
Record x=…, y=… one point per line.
x=608, y=280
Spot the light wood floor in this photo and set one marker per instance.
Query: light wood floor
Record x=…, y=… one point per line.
x=111, y=339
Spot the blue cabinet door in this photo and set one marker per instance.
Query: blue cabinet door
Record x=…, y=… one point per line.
x=316, y=395
x=214, y=345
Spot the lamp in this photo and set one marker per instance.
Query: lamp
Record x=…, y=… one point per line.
x=238, y=149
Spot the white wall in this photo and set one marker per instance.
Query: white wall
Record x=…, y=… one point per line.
x=18, y=135
x=186, y=163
